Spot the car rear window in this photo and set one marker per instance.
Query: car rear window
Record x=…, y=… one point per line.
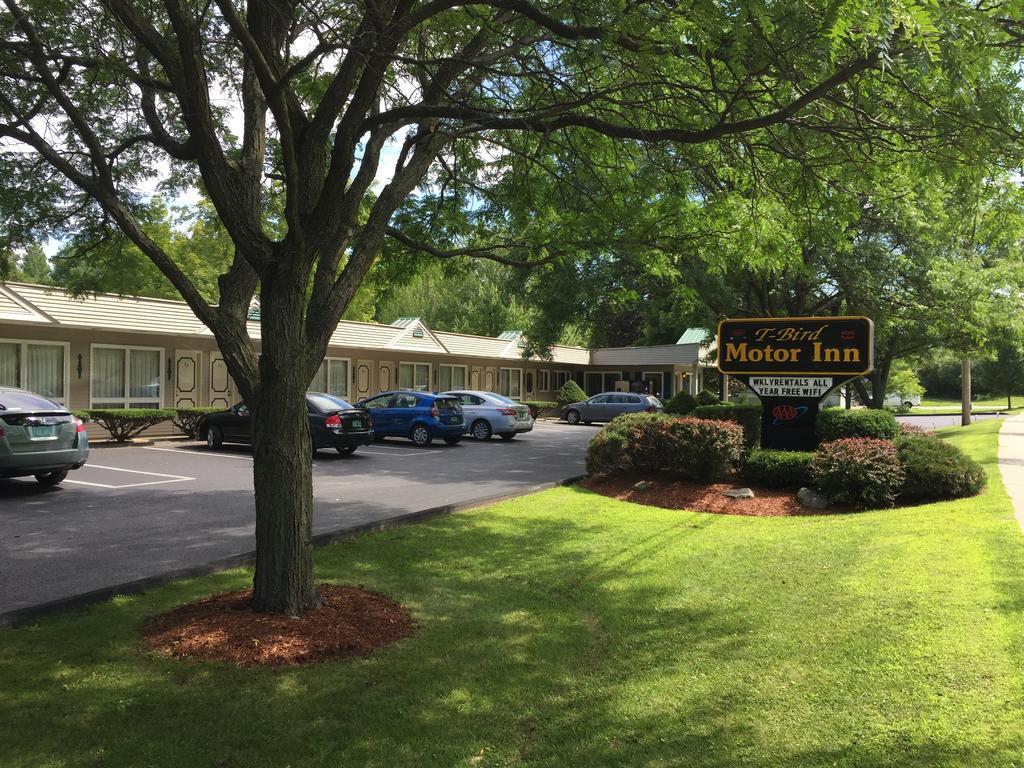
x=502, y=398
x=447, y=402
x=23, y=401
x=328, y=403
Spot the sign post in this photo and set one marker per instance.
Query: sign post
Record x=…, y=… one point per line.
x=791, y=364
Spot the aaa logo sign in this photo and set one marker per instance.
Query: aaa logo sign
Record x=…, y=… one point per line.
x=796, y=346
x=784, y=413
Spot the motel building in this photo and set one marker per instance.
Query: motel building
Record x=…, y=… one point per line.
x=109, y=351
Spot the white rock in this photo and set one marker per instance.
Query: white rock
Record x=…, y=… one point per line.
x=643, y=485
x=739, y=493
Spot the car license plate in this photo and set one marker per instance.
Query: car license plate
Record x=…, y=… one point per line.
x=37, y=432
x=356, y=424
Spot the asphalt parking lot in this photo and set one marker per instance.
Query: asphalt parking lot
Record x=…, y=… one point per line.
x=137, y=512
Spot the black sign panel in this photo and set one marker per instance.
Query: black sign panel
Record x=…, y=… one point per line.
x=796, y=346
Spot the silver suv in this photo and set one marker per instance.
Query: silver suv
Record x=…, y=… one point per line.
x=607, y=405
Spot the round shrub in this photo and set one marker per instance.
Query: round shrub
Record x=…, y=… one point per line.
x=747, y=415
x=837, y=423
x=778, y=469
x=697, y=449
x=707, y=397
x=681, y=403
x=935, y=470
x=570, y=393
x=858, y=470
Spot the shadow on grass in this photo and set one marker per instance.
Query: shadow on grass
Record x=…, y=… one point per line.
x=542, y=640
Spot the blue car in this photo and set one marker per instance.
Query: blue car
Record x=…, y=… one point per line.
x=419, y=416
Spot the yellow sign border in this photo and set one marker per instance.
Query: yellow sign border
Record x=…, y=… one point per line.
x=871, y=345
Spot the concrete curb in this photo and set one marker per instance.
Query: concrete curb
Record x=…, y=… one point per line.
x=22, y=616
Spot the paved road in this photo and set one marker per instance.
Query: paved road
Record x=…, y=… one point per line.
x=937, y=421
x=137, y=512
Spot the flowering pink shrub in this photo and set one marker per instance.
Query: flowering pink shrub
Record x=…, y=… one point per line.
x=864, y=471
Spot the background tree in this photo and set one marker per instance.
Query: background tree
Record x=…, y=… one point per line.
x=282, y=112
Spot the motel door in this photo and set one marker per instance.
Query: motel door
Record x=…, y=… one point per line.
x=529, y=383
x=187, y=365
x=222, y=393
x=474, y=377
x=363, y=378
x=490, y=375
x=385, y=377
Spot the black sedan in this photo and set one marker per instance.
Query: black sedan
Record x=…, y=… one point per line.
x=333, y=423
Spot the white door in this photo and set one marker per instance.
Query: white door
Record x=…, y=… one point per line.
x=187, y=379
x=384, y=378
x=222, y=393
x=364, y=378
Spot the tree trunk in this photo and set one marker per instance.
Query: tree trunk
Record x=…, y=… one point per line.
x=965, y=393
x=282, y=461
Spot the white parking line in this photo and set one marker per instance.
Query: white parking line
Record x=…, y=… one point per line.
x=172, y=478
x=392, y=452
x=202, y=453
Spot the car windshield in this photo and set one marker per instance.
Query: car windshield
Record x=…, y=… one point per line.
x=328, y=403
x=23, y=401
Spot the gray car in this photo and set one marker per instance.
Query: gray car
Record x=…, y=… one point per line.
x=607, y=405
x=39, y=437
x=488, y=413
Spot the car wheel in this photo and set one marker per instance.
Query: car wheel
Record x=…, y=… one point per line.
x=508, y=435
x=908, y=405
x=52, y=478
x=420, y=436
x=214, y=437
x=481, y=429
x=573, y=417
x=453, y=440
x=345, y=450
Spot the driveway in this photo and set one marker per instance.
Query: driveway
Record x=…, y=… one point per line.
x=139, y=512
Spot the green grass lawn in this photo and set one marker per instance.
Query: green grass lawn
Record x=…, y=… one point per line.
x=937, y=405
x=566, y=629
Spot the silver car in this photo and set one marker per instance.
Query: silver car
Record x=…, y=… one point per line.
x=607, y=405
x=488, y=413
x=39, y=437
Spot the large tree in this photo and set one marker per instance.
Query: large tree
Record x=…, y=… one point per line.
x=283, y=113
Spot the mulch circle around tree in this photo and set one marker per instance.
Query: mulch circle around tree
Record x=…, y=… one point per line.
x=351, y=622
x=671, y=493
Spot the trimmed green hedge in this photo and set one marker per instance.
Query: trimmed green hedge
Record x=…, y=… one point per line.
x=837, y=423
x=681, y=404
x=778, y=469
x=187, y=419
x=747, y=416
x=937, y=470
x=571, y=393
x=696, y=449
x=125, y=423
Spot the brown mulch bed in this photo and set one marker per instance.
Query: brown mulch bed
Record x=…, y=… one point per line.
x=672, y=493
x=351, y=622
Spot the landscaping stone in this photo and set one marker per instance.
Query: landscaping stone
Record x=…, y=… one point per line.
x=811, y=499
x=739, y=493
x=643, y=485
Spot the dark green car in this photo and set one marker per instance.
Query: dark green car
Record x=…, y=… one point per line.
x=39, y=438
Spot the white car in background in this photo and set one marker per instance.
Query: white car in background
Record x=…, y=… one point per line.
x=488, y=413
x=896, y=400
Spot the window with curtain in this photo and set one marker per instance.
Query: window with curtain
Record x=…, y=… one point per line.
x=143, y=378
x=337, y=379
x=126, y=377
x=451, y=377
x=510, y=382
x=10, y=364
x=44, y=370
x=414, y=376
